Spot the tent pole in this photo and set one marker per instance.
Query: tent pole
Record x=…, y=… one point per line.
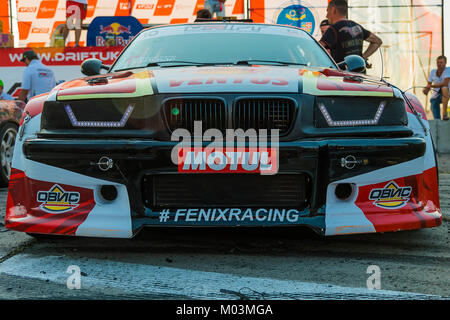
x=10, y=17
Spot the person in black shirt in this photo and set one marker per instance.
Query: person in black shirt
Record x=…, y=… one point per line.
x=345, y=37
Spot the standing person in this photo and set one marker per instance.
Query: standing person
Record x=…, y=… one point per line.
x=37, y=78
x=345, y=37
x=216, y=6
x=3, y=94
x=439, y=80
x=75, y=10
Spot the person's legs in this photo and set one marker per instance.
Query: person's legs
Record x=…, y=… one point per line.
x=78, y=35
x=80, y=18
x=444, y=102
x=69, y=21
x=435, y=108
x=209, y=6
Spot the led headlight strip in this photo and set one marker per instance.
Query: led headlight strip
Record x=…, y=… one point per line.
x=347, y=123
x=99, y=124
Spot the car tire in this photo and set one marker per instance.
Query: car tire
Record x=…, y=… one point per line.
x=8, y=135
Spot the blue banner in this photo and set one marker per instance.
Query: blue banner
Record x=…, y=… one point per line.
x=112, y=31
x=297, y=16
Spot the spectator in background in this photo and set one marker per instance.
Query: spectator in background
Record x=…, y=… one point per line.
x=203, y=14
x=324, y=25
x=37, y=78
x=446, y=94
x=75, y=10
x=439, y=81
x=3, y=94
x=216, y=6
x=345, y=37
x=58, y=37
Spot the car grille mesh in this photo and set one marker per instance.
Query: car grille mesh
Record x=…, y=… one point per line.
x=248, y=113
x=264, y=114
x=222, y=190
x=181, y=113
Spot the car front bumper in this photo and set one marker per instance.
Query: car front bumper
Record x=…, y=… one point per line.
x=390, y=187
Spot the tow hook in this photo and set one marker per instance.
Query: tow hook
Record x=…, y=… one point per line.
x=104, y=163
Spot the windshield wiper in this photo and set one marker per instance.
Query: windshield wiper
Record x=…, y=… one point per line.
x=176, y=63
x=284, y=63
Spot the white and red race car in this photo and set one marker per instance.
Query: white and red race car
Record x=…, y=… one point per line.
x=273, y=133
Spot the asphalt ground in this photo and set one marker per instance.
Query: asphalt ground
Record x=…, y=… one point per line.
x=444, y=184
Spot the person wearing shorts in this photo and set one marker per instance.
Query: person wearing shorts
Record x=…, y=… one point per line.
x=75, y=14
x=438, y=83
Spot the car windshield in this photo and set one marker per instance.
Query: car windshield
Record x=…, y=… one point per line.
x=210, y=44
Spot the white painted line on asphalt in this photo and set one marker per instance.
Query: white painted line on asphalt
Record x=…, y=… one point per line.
x=139, y=279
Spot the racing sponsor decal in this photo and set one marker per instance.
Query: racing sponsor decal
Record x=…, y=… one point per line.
x=57, y=200
x=217, y=80
x=391, y=196
x=235, y=79
x=225, y=155
x=320, y=85
x=229, y=160
x=224, y=215
x=128, y=86
x=112, y=31
x=407, y=203
x=222, y=28
x=37, y=206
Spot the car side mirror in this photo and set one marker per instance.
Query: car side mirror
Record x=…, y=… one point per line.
x=92, y=67
x=353, y=63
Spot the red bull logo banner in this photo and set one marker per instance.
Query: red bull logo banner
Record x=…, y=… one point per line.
x=112, y=31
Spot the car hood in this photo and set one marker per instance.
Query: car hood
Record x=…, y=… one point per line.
x=224, y=79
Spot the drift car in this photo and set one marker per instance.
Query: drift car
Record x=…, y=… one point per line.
x=336, y=150
x=10, y=115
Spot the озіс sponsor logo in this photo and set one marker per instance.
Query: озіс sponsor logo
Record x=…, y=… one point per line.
x=241, y=152
x=57, y=200
x=391, y=196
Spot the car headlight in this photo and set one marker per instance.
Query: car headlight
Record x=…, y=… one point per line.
x=355, y=111
x=131, y=114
